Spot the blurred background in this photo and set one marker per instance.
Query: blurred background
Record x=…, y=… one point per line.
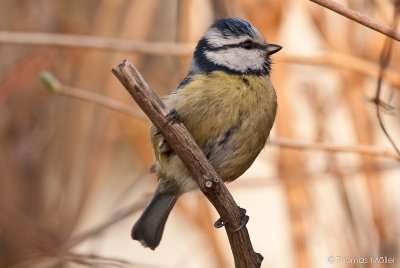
x=74, y=175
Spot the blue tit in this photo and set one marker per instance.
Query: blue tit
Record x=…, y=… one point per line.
x=227, y=103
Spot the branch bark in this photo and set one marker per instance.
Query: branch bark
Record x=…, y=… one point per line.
x=186, y=148
x=360, y=18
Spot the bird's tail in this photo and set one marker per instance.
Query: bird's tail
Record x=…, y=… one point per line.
x=150, y=226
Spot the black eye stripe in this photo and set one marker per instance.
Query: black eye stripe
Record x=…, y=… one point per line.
x=241, y=44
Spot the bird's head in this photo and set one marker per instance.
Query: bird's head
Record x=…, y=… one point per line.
x=233, y=45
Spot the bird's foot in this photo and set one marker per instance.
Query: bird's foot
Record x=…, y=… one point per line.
x=243, y=218
x=173, y=117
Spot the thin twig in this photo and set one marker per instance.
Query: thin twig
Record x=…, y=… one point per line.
x=98, y=261
x=56, y=86
x=295, y=176
x=85, y=41
x=117, y=106
x=384, y=61
x=360, y=149
x=335, y=59
x=117, y=217
x=360, y=18
x=191, y=155
x=101, y=100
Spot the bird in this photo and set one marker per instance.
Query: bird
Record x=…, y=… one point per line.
x=227, y=103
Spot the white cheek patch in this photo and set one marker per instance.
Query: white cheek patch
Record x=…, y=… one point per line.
x=238, y=59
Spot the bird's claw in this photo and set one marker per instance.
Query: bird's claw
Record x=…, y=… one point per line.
x=220, y=223
x=243, y=218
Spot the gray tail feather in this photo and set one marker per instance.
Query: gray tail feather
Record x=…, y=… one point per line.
x=150, y=226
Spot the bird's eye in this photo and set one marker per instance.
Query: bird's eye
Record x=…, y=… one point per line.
x=247, y=44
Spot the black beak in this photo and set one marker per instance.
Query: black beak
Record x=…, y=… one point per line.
x=272, y=49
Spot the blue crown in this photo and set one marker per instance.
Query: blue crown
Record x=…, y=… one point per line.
x=234, y=26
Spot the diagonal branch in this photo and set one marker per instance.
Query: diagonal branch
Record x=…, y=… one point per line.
x=186, y=148
x=360, y=18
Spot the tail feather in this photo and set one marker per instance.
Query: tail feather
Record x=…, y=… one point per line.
x=150, y=226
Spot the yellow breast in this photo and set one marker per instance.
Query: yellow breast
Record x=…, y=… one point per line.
x=229, y=116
